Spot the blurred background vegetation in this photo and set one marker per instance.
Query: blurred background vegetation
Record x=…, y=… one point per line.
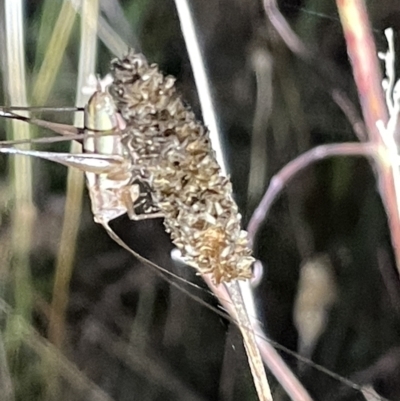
x=129, y=335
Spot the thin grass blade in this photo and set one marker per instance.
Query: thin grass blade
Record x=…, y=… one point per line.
x=23, y=214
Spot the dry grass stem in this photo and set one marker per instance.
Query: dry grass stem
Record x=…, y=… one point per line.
x=201, y=80
x=271, y=357
x=291, y=169
x=24, y=212
x=368, y=78
x=55, y=51
x=75, y=180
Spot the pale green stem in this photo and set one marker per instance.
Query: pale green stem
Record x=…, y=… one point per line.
x=54, y=54
x=23, y=215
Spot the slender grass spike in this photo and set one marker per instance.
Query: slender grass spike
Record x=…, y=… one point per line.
x=179, y=164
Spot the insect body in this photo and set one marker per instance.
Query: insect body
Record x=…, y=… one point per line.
x=113, y=187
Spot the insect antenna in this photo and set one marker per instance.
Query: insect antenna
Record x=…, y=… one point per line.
x=44, y=109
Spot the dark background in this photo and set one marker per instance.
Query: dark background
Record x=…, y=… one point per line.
x=136, y=337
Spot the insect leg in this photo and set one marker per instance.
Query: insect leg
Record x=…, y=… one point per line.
x=62, y=129
x=98, y=164
x=92, y=163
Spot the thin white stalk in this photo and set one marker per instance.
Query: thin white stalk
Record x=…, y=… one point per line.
x=388, y=83
x=111, y=39
x=210, y=120
x=200, y=77
x=249, y=341
x=389, y=132
x=370, y=394
x=270, y=356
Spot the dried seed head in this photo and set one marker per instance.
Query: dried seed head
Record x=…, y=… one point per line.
x=179, y=164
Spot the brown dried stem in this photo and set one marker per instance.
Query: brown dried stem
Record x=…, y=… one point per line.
x=290, y=170
x=367, y=75
x=270, y=356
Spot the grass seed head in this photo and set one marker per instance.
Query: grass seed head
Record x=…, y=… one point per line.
x=174, y=149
